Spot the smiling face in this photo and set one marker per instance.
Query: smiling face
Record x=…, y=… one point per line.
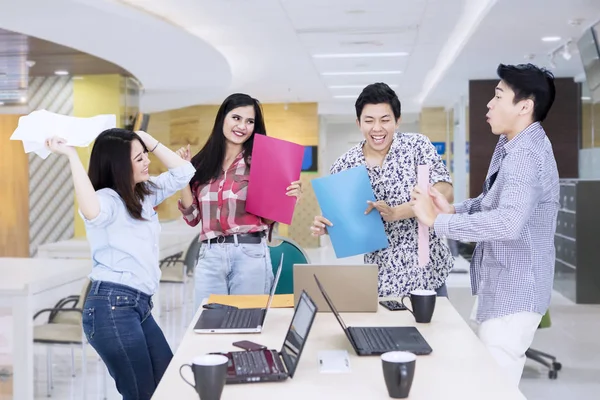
x=238, y=125
x=378, y=125
x=139, y=162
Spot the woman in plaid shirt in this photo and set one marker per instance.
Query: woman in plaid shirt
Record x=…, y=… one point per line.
x=234, y=257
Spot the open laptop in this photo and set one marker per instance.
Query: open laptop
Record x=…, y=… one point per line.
x=368, y=341
x=353, y=288
x=236, y=320
x=272, y=365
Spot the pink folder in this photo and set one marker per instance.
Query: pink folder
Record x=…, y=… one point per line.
x=423, y=239
x=275, y=164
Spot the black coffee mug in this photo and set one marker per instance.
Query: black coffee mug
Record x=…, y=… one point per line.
x=398, y=372
x=210, y=373
x=423, y=304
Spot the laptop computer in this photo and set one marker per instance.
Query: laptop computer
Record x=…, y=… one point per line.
x=272, y=365
x=369, y=341
x=353, y=288
x=236, y=320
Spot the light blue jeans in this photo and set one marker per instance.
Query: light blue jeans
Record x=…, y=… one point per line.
x=230, y=268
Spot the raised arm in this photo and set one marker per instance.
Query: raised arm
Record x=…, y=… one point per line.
x=89, y=203
x=168, y=157
x=176, y=178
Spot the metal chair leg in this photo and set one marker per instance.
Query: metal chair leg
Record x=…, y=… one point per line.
x=83, y=370
x=49, y=370
x=72, y=361
x=104, y=380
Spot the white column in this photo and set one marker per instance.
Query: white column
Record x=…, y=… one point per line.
x=460, y=151
x=22, y=347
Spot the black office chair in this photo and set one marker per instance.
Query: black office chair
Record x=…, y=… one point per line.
x=544, y=358
x=191, y=256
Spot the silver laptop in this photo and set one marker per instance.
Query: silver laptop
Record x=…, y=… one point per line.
x=236, y=320
x=353, y=288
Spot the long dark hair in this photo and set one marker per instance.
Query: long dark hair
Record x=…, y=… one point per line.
x=209, y=161
x=110, y=167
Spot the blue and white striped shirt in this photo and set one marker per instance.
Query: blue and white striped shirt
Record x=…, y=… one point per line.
x=513, y=222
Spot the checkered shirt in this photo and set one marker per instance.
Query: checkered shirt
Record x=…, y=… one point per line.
x=513, y=222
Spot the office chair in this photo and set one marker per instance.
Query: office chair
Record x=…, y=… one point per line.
x=64, y=328
x=293, y=254
x=544, y=358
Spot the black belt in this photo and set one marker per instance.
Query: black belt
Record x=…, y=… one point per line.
x=248, y=238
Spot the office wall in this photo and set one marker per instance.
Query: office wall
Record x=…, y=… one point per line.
x=51, y=199
x=590, y=125
x=296, y=122
x=563, y=127
x=93, y=95
x=14, y=184
x=434, y=123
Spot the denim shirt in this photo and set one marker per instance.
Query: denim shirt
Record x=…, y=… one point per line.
x=125, y=250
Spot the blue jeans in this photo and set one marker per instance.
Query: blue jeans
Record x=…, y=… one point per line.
x=118, y=323
x=230, y=268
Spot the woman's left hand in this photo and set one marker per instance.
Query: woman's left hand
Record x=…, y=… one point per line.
x=295, y=189
x=148, y=140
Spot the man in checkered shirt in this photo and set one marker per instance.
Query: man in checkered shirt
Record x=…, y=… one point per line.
x=513, y=221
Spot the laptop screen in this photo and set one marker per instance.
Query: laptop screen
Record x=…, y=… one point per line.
x=298, y=332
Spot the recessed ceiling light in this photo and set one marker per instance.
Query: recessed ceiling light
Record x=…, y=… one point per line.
x=361, y=55
x=23, y=99
x=586, y=98
x=61, y=72
x=355, y=86
x=361, y=73
x=551, y=38
x=355, y=12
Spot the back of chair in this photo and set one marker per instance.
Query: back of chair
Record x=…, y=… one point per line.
x=70, y=317
x=546, y=322
x=191, y=255
x=292, y=254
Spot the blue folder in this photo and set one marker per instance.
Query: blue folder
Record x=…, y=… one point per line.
x=343, y=201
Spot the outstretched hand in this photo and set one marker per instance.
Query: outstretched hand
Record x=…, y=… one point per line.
x=59, y=145
x=185, y=153
x=295, y=189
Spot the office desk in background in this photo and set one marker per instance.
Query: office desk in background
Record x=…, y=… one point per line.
x=175, y=237
x=20, y=280
x=459, y=368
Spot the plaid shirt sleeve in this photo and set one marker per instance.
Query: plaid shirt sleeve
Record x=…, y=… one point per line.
x=469, y=206
x=191, y=214
x=520, y=185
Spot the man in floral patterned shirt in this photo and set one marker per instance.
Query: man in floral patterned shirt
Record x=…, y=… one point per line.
x=391, y=159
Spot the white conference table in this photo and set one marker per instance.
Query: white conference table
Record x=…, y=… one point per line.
x=20, y=280
x=459, y=368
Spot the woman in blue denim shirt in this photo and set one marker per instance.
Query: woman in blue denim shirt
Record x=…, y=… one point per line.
x=116, y=200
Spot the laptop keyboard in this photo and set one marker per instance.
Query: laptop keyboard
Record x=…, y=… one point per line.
x=381, y=340
x=242, y=318
x=374, y=338
x=253, y=363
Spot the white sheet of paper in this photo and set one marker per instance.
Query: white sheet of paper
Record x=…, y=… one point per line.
x=35, y=128
x=333, y=361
